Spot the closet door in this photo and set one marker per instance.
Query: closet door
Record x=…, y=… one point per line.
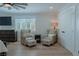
x=66, y=28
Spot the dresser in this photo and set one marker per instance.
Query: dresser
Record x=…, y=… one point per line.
x=8, y=35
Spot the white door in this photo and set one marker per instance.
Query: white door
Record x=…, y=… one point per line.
x=66, y=28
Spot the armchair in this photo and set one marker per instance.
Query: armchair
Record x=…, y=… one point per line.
x=49, y=39
x=27, y=39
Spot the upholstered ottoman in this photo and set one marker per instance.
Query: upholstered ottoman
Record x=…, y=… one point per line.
x=30, y=42
x=47, y=41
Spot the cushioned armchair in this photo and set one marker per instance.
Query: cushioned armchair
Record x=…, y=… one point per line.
x=27, y=38
x=49, y=39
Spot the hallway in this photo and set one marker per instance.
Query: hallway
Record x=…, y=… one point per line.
x=16, y=49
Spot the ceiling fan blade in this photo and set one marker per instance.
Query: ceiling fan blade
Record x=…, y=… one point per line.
x=9, y=8
x=20, y=6
x=1, y=5
x=15, y=7
x=25, y=4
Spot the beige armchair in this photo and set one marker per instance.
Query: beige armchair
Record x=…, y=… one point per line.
x=27, y=38
x=49, y=39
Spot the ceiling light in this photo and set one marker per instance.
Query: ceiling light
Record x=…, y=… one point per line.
x=51, y=7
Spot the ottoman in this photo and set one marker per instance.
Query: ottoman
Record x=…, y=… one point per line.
x=30, y=42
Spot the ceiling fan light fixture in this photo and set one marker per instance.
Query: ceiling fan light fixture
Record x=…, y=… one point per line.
x=7, y=5
x=14, y=5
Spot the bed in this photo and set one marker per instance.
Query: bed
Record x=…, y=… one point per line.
x=3, y=48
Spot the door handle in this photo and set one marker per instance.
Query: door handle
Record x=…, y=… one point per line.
x=63, y=31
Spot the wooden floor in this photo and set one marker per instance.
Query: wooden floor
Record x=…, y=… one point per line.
x=16, y=49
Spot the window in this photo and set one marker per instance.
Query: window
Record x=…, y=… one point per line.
x=27, y=24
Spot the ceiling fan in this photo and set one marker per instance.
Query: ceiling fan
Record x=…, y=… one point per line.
x=14, y=5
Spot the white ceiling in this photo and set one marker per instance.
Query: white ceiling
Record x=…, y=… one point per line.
x=35, y=8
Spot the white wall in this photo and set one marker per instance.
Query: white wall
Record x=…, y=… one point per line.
x=43, y=21
x=42, y=24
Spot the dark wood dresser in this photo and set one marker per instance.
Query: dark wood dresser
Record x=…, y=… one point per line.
x=8, y=35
